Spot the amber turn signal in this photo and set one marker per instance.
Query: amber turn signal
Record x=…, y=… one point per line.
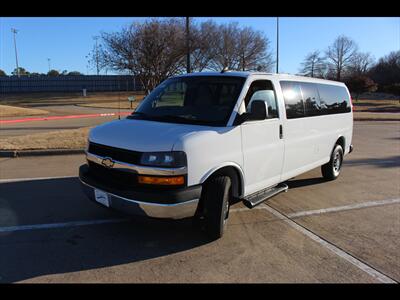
x=175, y=180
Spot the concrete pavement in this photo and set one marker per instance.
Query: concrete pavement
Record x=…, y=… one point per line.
x=357, y=244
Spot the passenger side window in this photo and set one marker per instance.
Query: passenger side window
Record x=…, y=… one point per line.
x=293, y=99
x=262, y=90
x=334, y=99
x=311, y=99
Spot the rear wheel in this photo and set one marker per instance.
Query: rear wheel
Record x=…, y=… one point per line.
x=331, y=170
x=216, y=200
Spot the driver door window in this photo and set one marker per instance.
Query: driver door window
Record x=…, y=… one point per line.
x=262, y=90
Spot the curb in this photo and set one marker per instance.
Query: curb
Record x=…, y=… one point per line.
x=21, y=153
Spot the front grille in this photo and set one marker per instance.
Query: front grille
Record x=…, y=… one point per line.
x=128, y=156
x=113, y=178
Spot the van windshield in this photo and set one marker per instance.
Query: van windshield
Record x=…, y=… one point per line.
x=201, y=100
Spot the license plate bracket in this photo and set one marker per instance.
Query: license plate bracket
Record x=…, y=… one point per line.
x=101, y=197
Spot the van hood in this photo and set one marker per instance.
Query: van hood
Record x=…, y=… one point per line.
x=141, y=135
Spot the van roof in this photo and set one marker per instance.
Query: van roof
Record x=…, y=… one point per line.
x=247, y=74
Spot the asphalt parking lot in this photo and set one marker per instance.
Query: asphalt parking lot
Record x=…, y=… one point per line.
x=347, y=230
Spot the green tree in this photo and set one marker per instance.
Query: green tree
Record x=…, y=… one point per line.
x=2, y=73
x=53, y=73
x=75, y=73
x=359, y=84
x=22, y=71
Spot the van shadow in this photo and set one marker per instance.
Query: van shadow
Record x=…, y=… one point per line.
x=386, y=162
x=31, y=253
x=298, y=183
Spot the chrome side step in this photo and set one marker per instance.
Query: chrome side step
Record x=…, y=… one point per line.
x=259, y=197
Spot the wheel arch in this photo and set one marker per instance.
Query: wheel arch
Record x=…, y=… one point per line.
x=231, y=170
x=341, y=140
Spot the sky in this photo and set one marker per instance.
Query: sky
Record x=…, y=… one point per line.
x=68, y=40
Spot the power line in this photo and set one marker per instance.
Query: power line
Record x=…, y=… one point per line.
x=14, y=31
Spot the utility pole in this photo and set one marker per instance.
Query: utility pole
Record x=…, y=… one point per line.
x=48, y=61
x=97, y=55
x=277, y=44
x=187, y=46
x=14, y=31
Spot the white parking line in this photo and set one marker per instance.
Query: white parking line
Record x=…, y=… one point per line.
x=343, y=208
x=60, y=225
x=328, y=210
x=361, y=265
x=33, y=178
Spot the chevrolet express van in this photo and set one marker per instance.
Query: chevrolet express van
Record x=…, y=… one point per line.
x=202, y=141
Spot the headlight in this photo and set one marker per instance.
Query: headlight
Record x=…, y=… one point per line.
x=173, y=159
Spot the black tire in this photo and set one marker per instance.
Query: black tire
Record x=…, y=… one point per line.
x=331, y=170
x=216, y=200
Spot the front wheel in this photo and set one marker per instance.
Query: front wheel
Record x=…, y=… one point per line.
x=331, y=170
x=216, y=197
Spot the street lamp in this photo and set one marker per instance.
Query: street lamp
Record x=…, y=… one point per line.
x=187, y=46
x=97, y=55
x=14, y=31
x=277, y=44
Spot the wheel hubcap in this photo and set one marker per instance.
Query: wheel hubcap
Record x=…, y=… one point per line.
x=337, y=162
x=226, y=210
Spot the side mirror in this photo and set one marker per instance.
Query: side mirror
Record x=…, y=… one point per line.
x=258, y=110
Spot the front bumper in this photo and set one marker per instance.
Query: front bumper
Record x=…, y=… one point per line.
x=171, y=204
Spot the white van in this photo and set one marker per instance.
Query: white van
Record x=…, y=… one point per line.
x=202, y=141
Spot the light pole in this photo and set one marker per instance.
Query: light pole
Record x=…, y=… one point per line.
x=97, y=55
x=277, y=44
x=14, y=31
x=48, y=61
x=187, y=46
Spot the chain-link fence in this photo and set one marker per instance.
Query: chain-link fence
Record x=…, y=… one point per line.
x=92, y=83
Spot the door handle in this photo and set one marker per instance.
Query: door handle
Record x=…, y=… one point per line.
x=280, y=131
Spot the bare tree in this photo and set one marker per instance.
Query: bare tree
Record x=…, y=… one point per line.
x=252, y=51
x=241, y=49
x=156, y=49
x=153, y=50
x=313, y=65
x=340, y=55
x=203, y=38
x=225, y=47
x=96, y=60
x=361, y=63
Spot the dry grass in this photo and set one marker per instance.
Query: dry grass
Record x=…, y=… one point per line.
x=376, y=109
x=37, y=99
x=61, y=139
x=359, y=116
x=13, y=111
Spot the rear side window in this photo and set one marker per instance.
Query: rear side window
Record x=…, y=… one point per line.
x=311, y=100
x=333, y=99
x=293, y=99
x=307, y=99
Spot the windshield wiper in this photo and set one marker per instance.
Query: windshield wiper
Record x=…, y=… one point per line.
x=187, y=120
x=137, y=113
